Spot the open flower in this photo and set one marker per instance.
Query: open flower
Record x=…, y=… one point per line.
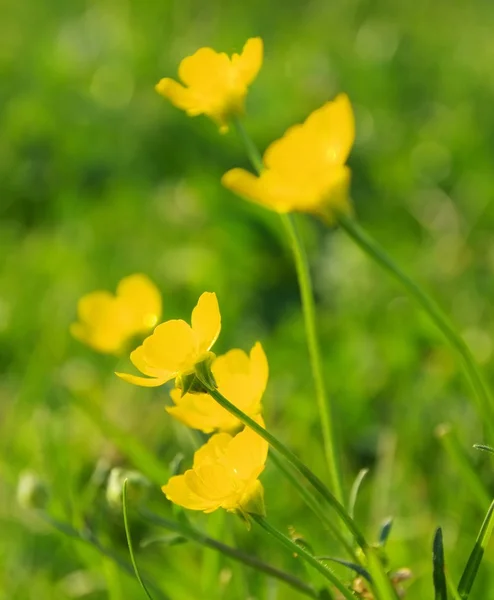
x=107, y=322
x=175, y=347
x=216, y=85
x=241, y=378
x=305, y=170
x=224, y=475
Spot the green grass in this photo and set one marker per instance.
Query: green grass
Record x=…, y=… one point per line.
x=100, y=178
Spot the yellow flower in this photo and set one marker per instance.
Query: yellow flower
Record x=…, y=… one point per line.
x=174, y=348
x=242, y=379
x=108, y=322
x=305, y=170
x=224, y=475
x=216, y=84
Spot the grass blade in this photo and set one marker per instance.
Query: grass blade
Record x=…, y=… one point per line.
x=129, y=541
x=355, y=490
x=438, y=573
x=475, y=558
x=452, y=588
x=380, y=581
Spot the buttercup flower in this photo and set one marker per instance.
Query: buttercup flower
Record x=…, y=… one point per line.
x=107, y=322
x=216, y=85
x=305, y=169
x=224, y=475
x=241, y=378
x=175, y=347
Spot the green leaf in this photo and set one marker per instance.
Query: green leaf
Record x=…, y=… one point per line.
x=473, y=564
x=438, y=573
x=129, y=541
x=484, y=448
x=164, y=540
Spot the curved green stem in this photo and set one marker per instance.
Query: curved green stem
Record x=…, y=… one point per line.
x=308, y=308
x=371, y=247
x=303, y=553
x=250, y=561
x=313, y=504
x=292, y=458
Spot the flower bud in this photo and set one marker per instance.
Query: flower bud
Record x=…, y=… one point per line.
x=32, y=493
x=137, y=487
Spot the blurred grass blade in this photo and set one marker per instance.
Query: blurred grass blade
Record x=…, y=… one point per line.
x=438, y=573
x=380, y=581
x=355, y=490
x=473, y=564
x=357, y=568
x=142, y=459
x=385, y=531
x=452, y=588
x=164, y=540
x=484, y=448
x=129, y=541
x=463, y=464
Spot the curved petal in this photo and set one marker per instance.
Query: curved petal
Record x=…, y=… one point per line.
x=178, y=492
x=200, y=411
x=138, y=360
x=213, y=450
x=177, y=94
x=142, y=381
x=249, y=62
x=206, y=321
x=335, y=124
x=143, y=300
x=172, y=348
x=259, y=368
x=91, y=306
x=247, y=453
x=243, y=183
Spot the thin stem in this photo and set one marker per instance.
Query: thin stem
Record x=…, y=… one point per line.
x=371, y=247
x=303, y=553
x=129, y=541
x=293, y=460
x=250, y=561
x=88, y=538
x=313, y=504
x=308, y=309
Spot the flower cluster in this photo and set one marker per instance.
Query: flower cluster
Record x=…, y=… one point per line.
x=225, y=470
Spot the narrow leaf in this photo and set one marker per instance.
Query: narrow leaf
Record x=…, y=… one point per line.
x=129, y=541
x=484, y=448
x=438, y=573
x=385, y=531
x=355, y=490
x=357, y=568
x=473, y=564
x=164, y=540
x=452, y=588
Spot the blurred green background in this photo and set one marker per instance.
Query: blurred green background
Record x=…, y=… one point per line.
x=101, y=178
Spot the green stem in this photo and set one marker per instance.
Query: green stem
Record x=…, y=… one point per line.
x=313, y=504
x=250, y=561
x=316, y=483
x=371, y=247
x=303, y=553
x=88, y=538
x=129, y=541
x=308, y=309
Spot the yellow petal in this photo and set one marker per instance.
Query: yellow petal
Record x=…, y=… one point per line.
x=200, y=411
x=249, y=62
x=138, y=360
x=92, y=305
x=142, y=298
x=204, y=68
x=213, y=450
x=243, y=183
x=259, y=368
x=142, y=381
x=247, y=453
x=177, y=94
x=171, y=348
x=178, y=492
x=206, y=321
x=211, y=481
